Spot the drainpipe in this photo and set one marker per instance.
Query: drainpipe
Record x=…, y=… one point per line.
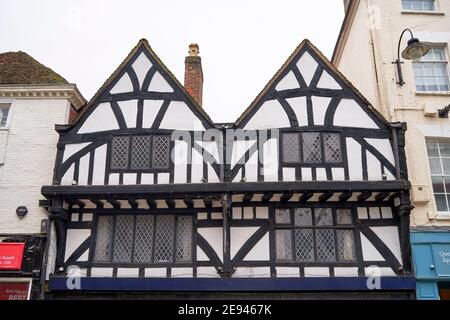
x=383, y=110
x=48, y=228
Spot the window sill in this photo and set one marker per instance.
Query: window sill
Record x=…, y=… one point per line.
x=4, y=128
x=443, y=216
x=429, y=13
x=433, y=93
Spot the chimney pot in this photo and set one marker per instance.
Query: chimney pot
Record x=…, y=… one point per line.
x=193, y=50
x=193, y=74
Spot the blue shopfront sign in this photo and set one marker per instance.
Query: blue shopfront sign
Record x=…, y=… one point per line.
x=441, y=254
x=431, y=259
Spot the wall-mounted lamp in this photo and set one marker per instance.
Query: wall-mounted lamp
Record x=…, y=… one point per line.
x=415, y=50
x=21, y=211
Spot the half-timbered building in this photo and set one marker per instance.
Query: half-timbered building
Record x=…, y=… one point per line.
x=305, y=195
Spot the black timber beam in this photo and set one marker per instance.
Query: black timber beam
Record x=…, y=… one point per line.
x=180, y=190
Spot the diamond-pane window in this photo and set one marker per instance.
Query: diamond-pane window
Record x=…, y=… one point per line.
x=161, y=152
x=315, y=234
x=164, y=238
x=332, y=147
x=326, y=245
x=123, y=240
x=304, y=245
x=291, y=147
x=184, y=239
x=312, y=152
x=144, y=239
x=120, y=149
x=103, y=245
x=143, y=242
x=140, y=152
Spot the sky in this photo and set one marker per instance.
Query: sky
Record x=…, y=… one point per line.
x=242, y=43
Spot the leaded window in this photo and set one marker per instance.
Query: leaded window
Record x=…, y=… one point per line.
x=314, y=235
x=311, y=148
x=140, y=153
x=4, y=111
x=144, y=239
x=419, y=5
x=431, y=72
x=439, y=158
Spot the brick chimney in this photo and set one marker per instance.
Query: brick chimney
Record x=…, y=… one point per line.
x=193, y=74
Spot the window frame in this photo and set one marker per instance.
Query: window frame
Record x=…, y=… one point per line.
x=97, y=263
x=322, y=164
x=445, y=62
x=446, y=192
x=129, y=168
x=435, y=6
x=6, y=105
x=291, y=226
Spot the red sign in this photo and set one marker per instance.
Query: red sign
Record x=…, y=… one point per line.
x=14, y=290
x=11, y=255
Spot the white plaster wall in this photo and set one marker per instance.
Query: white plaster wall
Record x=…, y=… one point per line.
x=74, y=239
x=141, y=66
x=288, y=82
x=307, y=66
x=28, y=147
x=179, y=117
x=270, y=115
x=101, y=119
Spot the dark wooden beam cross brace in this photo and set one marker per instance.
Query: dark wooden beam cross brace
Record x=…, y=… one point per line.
x=381, y=196
x=345, y=196
x=97, y=202
x=170, y=203
x=133, y=203
x=364, y=196
x=207, y=201
x=286, y=196
x=267, y=196
x=114, y=203
x=306, y=196
x=248, y=197
x=326, y=196
x=151, y=203
x=188, y=202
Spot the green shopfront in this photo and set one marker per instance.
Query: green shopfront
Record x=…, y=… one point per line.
x=431, y=257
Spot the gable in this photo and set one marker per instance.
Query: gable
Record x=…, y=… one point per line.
x=138, y=95
x=309, y=91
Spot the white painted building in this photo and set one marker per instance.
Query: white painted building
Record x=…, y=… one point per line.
x=33, y=99
x=370, y=35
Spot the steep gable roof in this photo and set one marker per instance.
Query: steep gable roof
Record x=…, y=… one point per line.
x=115, y=77
x=281, y=77
x=21, y=68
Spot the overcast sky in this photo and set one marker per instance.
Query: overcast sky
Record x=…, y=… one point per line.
x=242, y=42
